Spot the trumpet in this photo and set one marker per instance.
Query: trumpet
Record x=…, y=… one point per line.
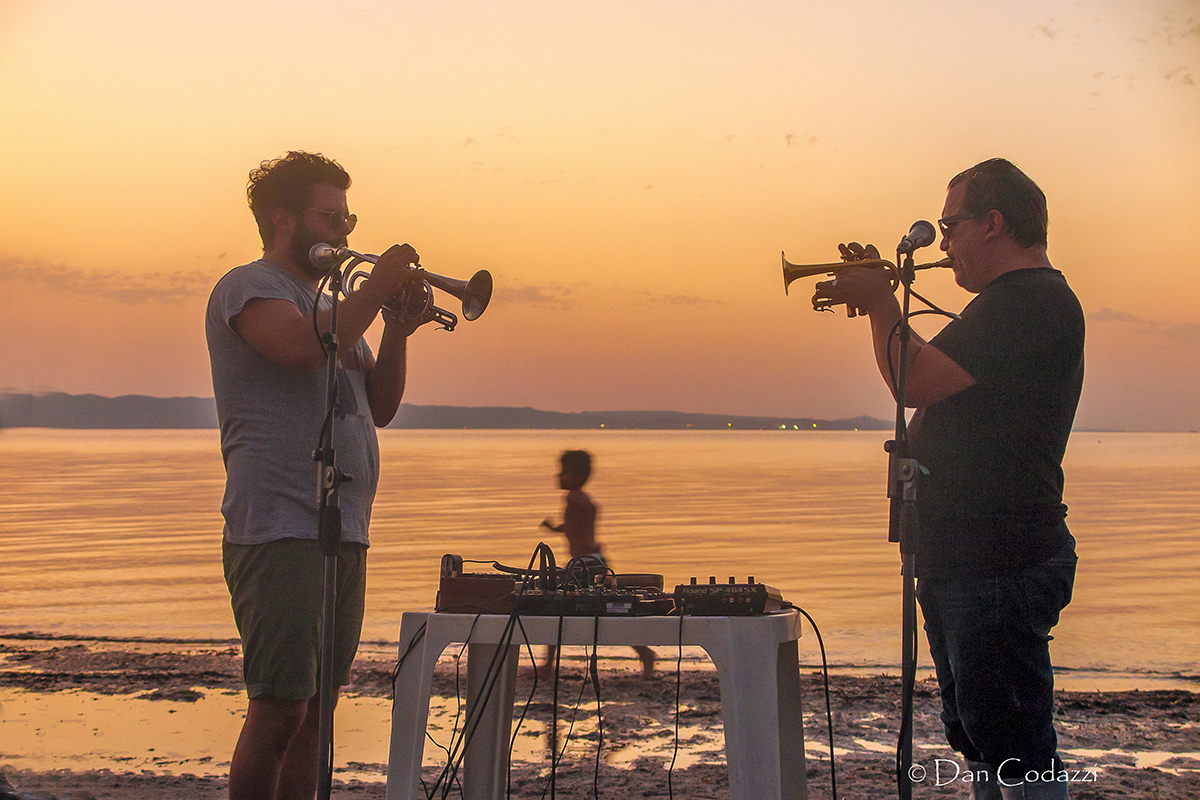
x=793, y=271
x=414, y=303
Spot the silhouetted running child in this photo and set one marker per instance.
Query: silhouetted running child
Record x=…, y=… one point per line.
x=579, y=526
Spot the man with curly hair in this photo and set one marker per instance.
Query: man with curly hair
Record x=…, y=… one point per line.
x=269, y=380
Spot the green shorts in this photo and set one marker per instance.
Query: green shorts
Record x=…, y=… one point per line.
x=276, y=590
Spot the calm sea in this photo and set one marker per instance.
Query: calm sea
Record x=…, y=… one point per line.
x=117, y=533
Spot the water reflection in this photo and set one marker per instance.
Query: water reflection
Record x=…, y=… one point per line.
x=116, y=533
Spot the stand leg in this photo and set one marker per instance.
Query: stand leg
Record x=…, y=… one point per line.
x=908, y=677
x=325, y=718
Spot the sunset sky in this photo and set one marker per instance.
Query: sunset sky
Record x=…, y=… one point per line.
x=628, y=171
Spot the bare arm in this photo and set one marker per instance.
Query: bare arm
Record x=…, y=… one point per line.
x=931, y=375
x=387, y=374
x=278, y=329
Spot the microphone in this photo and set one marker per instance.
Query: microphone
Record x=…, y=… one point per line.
x=921, y=234
x=326, y=257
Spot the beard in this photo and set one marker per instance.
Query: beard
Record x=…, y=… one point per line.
x=302, y=241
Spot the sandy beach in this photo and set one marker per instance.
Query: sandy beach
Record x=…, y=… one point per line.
x=1127, y=744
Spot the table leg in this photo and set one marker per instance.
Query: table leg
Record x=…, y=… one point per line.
x=410, y=711
x=764, y=727
x=485, y=762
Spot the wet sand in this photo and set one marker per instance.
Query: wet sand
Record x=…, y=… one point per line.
x=1127, y=744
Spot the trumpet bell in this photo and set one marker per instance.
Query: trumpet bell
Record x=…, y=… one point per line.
x=793, y=272
x=477, y=295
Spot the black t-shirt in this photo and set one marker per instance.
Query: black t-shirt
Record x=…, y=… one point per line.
x=992, y=499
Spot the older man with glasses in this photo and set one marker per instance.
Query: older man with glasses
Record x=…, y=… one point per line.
x=995, y=392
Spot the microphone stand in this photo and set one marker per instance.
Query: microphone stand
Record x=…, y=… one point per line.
x=902, y=528
x=329, y=516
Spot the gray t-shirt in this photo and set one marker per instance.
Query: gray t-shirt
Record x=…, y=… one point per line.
x=271, y=418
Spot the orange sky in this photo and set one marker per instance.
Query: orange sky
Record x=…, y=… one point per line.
x=628, y=171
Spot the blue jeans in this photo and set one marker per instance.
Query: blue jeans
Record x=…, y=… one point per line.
x=990, y=642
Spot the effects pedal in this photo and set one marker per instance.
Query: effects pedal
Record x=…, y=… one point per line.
x=599, y=601
x=731, y=599
x=485, y=592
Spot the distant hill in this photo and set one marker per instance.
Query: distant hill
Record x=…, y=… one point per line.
x=500, y=417
x=58, y=410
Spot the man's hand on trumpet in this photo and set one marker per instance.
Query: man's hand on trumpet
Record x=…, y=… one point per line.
x=391, y=272
x=394, y=271
x=860, y=288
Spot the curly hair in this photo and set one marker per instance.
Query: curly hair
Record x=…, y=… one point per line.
x=288, y=183
x=998, y=184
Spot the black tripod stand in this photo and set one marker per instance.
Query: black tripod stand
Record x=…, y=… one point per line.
x=903, y=472
x=902, y=528
x=329, y=516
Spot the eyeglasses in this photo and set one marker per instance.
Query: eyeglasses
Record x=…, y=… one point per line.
x=337, y=218
x=947, y=224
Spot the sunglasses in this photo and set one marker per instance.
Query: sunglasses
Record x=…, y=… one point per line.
x=947, y=224
x=337, y=218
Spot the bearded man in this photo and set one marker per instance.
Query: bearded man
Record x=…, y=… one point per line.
x=269, y=380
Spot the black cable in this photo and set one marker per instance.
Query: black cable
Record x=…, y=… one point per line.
x=317, y=304
x=457, y=712
x=492, y=674
x=907, y=688
x=678, y=692
x=556, y=757
x=520, y=720
x=458, y=685
x=895, y=328
x=418, y=636
x=548, y=574
x=328, y=345
x=487, y=684
x=595, y=670
x=475, y=712
x=933, y=307
x=554, y=712
x=828, y=704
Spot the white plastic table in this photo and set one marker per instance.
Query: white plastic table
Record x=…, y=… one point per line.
x=757, y=665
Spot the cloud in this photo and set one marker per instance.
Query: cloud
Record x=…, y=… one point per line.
x=656, y=298
x=559, y=297
x=553, y=296
x=1108, y=315
x=123, y=287
x=1181, y=332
